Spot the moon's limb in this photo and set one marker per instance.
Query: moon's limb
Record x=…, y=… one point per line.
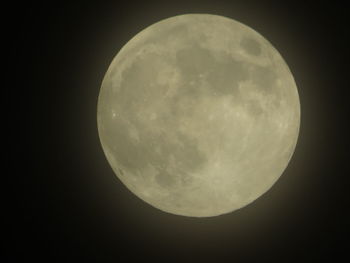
x=198, y=115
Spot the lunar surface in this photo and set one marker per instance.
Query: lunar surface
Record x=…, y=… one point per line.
x=198, y=115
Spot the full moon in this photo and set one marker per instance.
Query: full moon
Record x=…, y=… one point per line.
x=198, y=115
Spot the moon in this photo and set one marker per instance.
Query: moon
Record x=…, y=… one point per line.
x=198, y=115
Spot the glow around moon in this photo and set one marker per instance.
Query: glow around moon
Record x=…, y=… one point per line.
x=198, y=115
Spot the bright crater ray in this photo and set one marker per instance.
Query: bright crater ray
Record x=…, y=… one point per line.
x=198, y=115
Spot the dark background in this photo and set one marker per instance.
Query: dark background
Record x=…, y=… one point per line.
x=71, y=205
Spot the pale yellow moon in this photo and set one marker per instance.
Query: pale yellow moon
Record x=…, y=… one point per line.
x=198, y=115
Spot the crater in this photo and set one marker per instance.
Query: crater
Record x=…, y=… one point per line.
x=254, y=108
x=264, y=78
x=178, y=151
x=218, y=69
x=193, y=61
x=121, y=172
x=164, y=179
x=251, y=46
x=226, y=74
x=126, y=152
x=178, y=32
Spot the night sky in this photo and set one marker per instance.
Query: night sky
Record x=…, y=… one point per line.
x=71, y=205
